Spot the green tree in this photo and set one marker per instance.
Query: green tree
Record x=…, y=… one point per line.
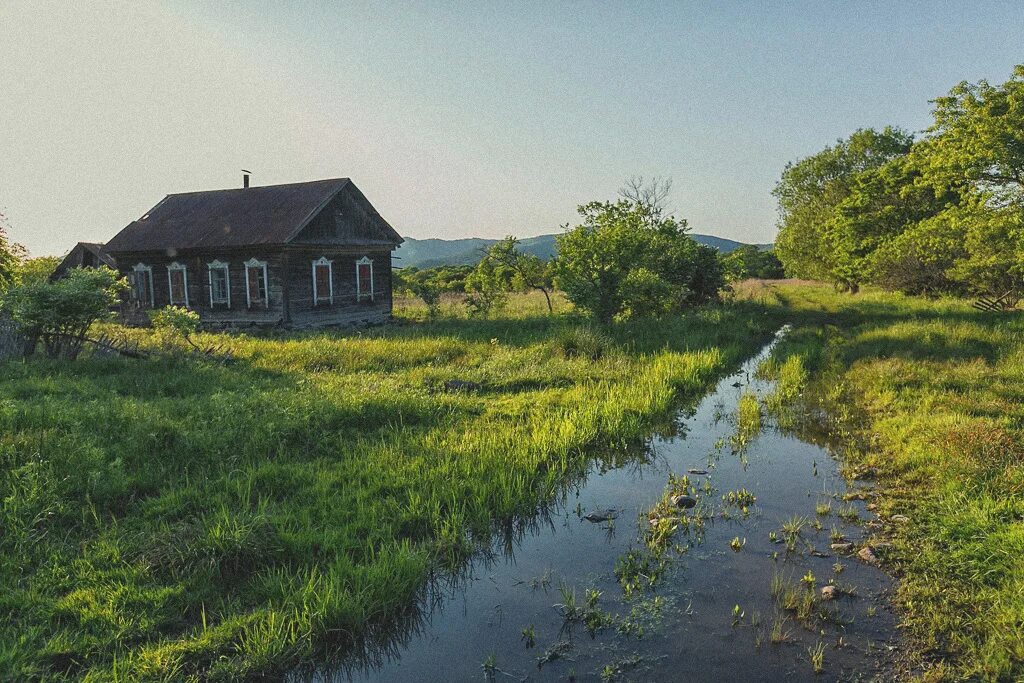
x=976, y=148
x=811, y=194
x=37, y=269
x=977, y=141
x=748, y=261
x=882, y=203
x=487, y=287
x=627, y=258
x=60, y=313
x=521, y=271
x=921, y=259
x=10, y=256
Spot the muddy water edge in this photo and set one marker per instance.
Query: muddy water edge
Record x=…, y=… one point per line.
x=758, y=581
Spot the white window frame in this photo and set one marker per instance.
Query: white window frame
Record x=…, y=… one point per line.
x=360, y=295
x=219, y=265
x=170, y=285
x=139, y=268
x=323, y=261
x=255, y=263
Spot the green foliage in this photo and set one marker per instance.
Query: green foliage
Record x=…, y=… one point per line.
x=167, y=520
x=811, y=197
x=487, y=288
x=61, y=313
x=37, y=269
x=927, y=394
x=519, y=271
x=627, y=258
x=10, y=257
x=942, y=214
x=173, y=326
x=977, y=141
x=748, y=261
x=444, y=279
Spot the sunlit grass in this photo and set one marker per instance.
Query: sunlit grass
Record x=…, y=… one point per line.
x=169, y=518
x=927, y=393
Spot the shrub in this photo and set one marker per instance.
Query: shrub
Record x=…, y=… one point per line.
x=174, y=325
x=60, y=313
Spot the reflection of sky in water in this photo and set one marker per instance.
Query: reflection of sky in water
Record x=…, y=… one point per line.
x=484, y=612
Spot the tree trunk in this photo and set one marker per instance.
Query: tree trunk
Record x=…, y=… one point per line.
x=547, y=297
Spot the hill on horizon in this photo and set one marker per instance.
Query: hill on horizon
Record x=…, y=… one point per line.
x=434, y=251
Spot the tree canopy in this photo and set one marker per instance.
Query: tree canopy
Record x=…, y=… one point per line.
x=629, y=258
x=942, y=213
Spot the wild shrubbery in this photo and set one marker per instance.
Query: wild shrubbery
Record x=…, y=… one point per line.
x=60, y=313
x=627, y=258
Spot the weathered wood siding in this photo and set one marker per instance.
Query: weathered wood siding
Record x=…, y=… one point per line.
x=344, y=222
x=197, y=267
x=289, y=285
x=345, y=309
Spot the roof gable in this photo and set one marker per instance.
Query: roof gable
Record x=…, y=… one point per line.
x=270, y=214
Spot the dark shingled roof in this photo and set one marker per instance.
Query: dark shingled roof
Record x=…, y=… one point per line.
x=270, y=214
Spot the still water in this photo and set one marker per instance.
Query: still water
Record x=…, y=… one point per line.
x=709, y=618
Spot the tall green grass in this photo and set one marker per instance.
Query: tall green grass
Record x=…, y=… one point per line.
x=928, y=394
x=172, y=519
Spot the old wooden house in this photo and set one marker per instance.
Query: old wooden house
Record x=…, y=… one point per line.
x=306, y=254
x=84, y=255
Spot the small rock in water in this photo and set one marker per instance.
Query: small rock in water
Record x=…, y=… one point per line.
x=697, y=472
x=866, y=554
x=829, y=593
x=842, y=547
x=818, y=553
x=685, y=502
x=900, y=519
x=737, y=384
x=601, y=515
x=866, y=473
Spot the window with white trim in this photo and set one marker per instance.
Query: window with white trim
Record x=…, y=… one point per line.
x=364, y=279
x=220, y=284
x=323, y=281
x=142, y=284
x=256, y=283
x=177, y=284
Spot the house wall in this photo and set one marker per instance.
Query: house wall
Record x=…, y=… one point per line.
x=289, y=284
x=345, y=309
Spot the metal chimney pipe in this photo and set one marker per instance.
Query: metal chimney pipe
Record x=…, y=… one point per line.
x=245, y=178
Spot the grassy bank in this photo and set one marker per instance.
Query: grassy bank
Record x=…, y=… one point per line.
x=930, y=395
x=175, y=519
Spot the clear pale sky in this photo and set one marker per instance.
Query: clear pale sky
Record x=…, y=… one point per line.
x=471, y=119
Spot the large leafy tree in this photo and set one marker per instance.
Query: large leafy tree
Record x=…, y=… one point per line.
x=882, y=203
x=976, y=148
x=811, y=196
x=977, y=141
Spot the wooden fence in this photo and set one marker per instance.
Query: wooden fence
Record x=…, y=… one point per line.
x=12, y=342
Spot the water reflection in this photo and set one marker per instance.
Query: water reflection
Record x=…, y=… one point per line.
x=721, y=605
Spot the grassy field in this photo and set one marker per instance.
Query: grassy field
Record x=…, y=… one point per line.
x=928, y=394
x=169, y=519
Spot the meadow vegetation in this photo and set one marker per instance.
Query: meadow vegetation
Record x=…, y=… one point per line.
x=925, y=395
x=178, y=518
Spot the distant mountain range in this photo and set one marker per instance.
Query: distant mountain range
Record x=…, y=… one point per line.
x=433, y=252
